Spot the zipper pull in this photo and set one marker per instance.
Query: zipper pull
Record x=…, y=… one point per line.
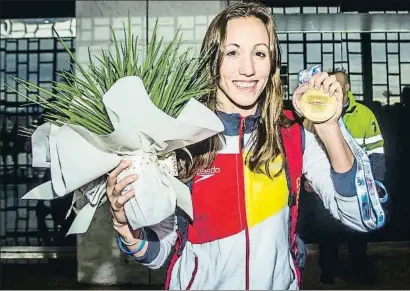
x=242, y=126
x=242, y=129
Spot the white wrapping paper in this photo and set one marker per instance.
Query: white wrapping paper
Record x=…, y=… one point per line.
x=79, y=159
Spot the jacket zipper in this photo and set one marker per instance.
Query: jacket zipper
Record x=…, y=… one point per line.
x=242, y=128
x=173, y=261
x=194, y=272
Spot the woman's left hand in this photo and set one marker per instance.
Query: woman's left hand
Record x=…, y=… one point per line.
x=340, y=156
x=330, y=86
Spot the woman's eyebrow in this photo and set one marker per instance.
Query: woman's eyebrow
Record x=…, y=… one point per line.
x=258, y=44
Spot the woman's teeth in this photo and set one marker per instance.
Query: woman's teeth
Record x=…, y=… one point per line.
x=244, y=84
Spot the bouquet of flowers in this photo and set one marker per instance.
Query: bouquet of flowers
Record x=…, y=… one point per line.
x=116, y=108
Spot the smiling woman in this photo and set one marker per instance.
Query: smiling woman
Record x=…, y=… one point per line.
x=245, y=183
x=245, y=69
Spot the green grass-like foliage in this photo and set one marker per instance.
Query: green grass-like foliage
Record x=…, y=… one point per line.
x=170, y=77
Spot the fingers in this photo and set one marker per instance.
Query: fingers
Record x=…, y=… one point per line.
x=115, y=220
x=301, y=89
x=120, y=186
x=117, y=224
x=122, y=199
x=118, y=202
x=119, y=220
x=112, y=177
x=335, y=88
x=296, y=95
x=317, y=80
x=112, y=212
x=329, y=83
x=117, y=205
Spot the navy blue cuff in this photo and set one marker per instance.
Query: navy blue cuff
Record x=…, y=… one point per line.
x=378, y=163
x=154, y=246
x=344, y=183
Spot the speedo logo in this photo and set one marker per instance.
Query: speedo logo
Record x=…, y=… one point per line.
x=204, y=174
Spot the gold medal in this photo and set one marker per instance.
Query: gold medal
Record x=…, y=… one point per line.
x=317, y=105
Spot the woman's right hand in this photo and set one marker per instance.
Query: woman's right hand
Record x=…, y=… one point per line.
x=117, y=199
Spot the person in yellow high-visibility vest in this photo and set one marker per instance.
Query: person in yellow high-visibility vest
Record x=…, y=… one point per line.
x=363, y=126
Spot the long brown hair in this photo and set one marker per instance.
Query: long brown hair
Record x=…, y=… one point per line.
x=266, y=144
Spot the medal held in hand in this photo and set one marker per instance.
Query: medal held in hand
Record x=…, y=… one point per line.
x=316, y=105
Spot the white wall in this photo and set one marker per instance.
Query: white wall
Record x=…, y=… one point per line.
x=99, y=260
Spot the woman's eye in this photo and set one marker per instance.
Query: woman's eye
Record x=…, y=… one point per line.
x=261, y=55
x=231, y=53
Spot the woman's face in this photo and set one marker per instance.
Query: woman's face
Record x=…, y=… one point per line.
x=245, y=67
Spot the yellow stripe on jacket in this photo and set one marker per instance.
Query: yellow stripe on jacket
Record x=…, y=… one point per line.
x=265, y=197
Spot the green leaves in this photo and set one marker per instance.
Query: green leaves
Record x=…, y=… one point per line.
x=171, y=78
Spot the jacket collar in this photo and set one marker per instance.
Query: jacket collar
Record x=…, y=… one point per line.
x=351, y=103
x=232, y=122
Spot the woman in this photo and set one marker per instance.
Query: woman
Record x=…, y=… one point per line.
x=243, y=184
